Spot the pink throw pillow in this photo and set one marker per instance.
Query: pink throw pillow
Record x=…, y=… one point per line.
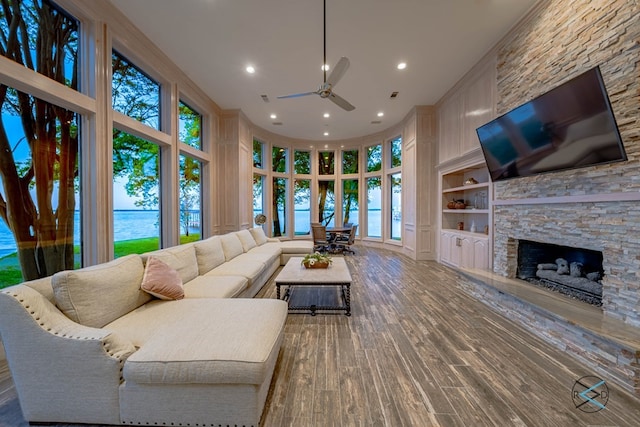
x=161, y=281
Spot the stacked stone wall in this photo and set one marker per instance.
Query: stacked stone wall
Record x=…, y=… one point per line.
x=561, y=40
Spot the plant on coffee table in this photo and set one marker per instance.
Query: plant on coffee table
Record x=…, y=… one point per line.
x=316, y=260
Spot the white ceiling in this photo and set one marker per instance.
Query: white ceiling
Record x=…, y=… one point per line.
x=213, y=41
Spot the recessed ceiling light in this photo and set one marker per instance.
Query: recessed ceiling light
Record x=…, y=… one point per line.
x=402, y=66
x=325, y=67
x=250, y=69
x=380, y=114
x=326, y=134
x=273, y=116
x=326, y=115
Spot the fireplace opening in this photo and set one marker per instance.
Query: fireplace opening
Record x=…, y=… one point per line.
x=576, y=272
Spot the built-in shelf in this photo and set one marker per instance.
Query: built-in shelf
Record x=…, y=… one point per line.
x=466, y=187
x=466, y=233
x=466, y=211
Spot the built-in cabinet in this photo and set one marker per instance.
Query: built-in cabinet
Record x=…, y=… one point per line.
x=465, y=224
x=465, y=108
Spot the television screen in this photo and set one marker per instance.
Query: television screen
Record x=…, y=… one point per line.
x=570, y=126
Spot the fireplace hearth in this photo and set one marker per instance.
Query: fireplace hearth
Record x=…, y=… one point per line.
x=575, y=272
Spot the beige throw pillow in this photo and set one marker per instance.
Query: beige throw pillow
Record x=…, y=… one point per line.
x=231, y=246
x=258, y=235
x=162, y=281
x=209, y=254
x=246, y=239
x=97, y=295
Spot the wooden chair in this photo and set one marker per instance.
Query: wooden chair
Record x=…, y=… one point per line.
x=346, y=246
x=320, y=242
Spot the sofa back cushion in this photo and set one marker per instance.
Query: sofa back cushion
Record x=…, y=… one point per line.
x=209, y=254
x=246, y=239
x=258, y=235
x=231, y=246
x=97, y=295
x=181, y=258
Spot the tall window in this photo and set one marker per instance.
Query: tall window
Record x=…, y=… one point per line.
x=302, y=162
x=258, y=154
x=396, y=152
x=326, y=162
x=326, y=203
x=396, y=206
x=395, y=188
x=189, y=199
x=374, y=207
x=350, y=162
x=258, y=199
x=39, y=188
x=374, y=158
x=190, y=126
x=350, y=201
x=279, y=159
x=279, y=205
x=134, y=93
x=302, y=206
x=136, y=192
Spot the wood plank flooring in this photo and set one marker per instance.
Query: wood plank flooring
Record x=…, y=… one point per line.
x=417, y=351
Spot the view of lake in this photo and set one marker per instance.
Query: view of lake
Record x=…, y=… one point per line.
x=136, y=224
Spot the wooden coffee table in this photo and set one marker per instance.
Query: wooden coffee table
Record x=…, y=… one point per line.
x=294, y=274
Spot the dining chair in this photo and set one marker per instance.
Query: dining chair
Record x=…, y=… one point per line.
x=347, y=246
x=320, y=242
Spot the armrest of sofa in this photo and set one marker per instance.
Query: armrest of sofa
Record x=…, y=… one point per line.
x=60, y=367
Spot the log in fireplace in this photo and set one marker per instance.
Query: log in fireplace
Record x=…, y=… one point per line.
x=576, y=272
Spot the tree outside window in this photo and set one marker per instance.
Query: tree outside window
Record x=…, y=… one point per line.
x=258, y=154
x=395, y=182
x=279, y=159
x=279, y=212
x=326, y=202
x=190, y=126
x=39, y=167
x=137, y=162
x=134, y=93
x=189, y=198
x=302, y=206
x=374, y=158
x=302, y=162
x=258, y=196
x=326, y=162
x=396, y=152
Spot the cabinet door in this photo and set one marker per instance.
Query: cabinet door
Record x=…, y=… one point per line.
x=449, y=128
x=481, y=254
x=466, y=253
x=445, y=247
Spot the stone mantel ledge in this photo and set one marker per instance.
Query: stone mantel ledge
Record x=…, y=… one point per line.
x=628, y=196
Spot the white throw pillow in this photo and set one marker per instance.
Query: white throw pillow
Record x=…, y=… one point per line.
x=258, y=235
x=246, y=239
x=209, y=254
x=231, y=246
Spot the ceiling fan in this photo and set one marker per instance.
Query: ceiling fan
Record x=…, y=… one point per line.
x=326, y=89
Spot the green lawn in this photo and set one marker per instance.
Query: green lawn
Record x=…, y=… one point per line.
x=10, y=273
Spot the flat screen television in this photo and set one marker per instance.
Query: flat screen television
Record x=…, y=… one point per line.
x=571, y=126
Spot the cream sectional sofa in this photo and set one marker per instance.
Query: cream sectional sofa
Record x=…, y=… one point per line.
x=90, y=346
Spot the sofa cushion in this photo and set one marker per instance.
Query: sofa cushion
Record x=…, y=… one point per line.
x=215, y=287
x=193, y=352
x=209, y=254
x=258, y=235
x=296, y=246
x=231, y=246
x=239, y=266
x=246, y=239
x=181, y=258
x=161, y=281
x=96, y=295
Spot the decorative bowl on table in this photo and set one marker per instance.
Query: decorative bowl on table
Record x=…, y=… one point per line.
x=316, y=260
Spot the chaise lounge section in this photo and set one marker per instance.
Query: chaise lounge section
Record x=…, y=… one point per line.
x=91, y=346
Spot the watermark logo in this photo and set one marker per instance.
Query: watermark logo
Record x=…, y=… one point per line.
x=590, y=394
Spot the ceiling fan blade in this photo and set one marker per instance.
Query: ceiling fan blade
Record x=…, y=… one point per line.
x=297, y=95
x=341, y=102
x=338, y=71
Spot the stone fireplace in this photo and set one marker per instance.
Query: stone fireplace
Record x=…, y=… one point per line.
x=576, y=272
